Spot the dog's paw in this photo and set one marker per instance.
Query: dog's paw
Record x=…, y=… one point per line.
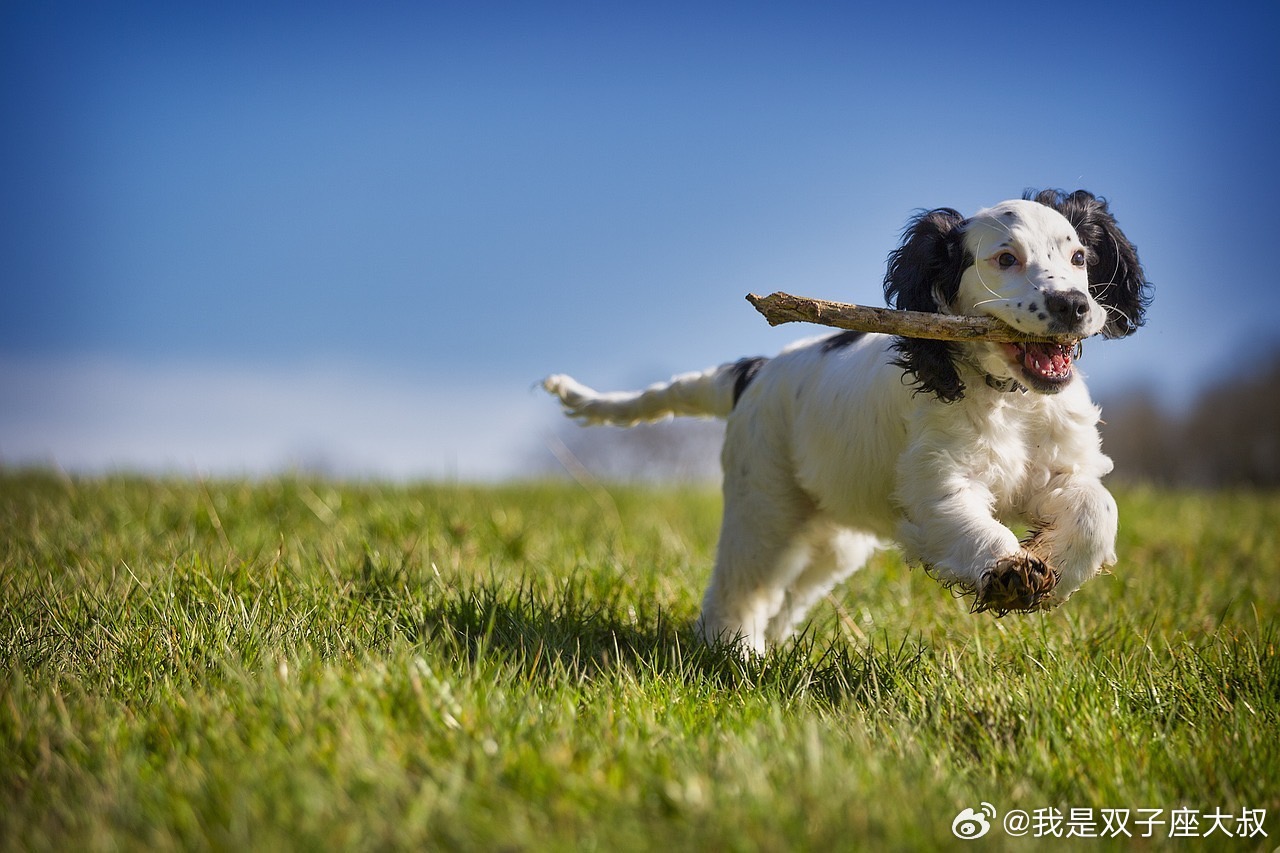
x=1019, y=584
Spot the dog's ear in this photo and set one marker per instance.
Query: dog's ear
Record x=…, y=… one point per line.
x=1115, y=275
x=924, y=275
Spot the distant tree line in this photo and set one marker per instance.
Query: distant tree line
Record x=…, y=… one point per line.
x=680, y=451
x=1229, y=437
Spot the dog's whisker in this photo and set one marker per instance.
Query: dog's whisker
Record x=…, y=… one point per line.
x=983, y=281
x=1114, y=310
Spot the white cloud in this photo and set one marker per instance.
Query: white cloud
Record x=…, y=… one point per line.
x=100, y=414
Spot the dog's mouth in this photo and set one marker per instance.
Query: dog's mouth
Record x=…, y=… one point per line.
x=1047, y=366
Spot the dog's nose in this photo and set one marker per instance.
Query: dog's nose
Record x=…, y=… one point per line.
x=1068, y=307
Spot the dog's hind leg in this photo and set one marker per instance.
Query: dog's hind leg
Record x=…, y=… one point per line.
x=762, y=549
x=834, y=554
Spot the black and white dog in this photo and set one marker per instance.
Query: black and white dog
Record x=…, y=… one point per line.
x=849, y=443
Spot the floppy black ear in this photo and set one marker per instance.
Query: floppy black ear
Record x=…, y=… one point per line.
x=1115, y=276
x=924, y=275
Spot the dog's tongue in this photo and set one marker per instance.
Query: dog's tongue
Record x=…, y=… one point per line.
x=1051, y=361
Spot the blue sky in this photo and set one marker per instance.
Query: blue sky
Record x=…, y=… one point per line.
x=235, y=236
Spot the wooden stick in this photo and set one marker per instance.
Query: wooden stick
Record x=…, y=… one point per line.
x=780, y=308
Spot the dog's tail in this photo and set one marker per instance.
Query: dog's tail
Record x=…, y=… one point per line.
x=709, y=393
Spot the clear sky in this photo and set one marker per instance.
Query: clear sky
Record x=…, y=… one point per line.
x=235, y=236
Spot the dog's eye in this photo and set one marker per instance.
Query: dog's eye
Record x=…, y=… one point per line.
x=1078, y=258
x=1006, y=260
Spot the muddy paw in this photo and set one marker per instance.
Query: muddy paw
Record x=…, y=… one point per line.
x=1021, y=583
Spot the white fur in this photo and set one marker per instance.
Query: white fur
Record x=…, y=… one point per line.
x=830, y=454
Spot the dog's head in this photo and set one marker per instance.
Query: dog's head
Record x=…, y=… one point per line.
x=1050, y=263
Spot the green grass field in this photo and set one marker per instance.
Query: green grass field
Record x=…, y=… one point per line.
x=300, y=664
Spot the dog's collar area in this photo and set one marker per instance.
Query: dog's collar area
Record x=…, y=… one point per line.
x=1007, y=385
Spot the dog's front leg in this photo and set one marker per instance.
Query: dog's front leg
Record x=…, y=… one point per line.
x=949, y=525
x=1075, y=520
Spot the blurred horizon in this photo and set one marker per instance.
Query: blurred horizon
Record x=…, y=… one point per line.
x=237, y=238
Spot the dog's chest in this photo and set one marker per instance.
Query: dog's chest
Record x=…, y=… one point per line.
x=1011, y=453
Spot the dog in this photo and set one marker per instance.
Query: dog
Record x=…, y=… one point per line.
x=846, y=444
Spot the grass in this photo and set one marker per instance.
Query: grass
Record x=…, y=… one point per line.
x=298, y=664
